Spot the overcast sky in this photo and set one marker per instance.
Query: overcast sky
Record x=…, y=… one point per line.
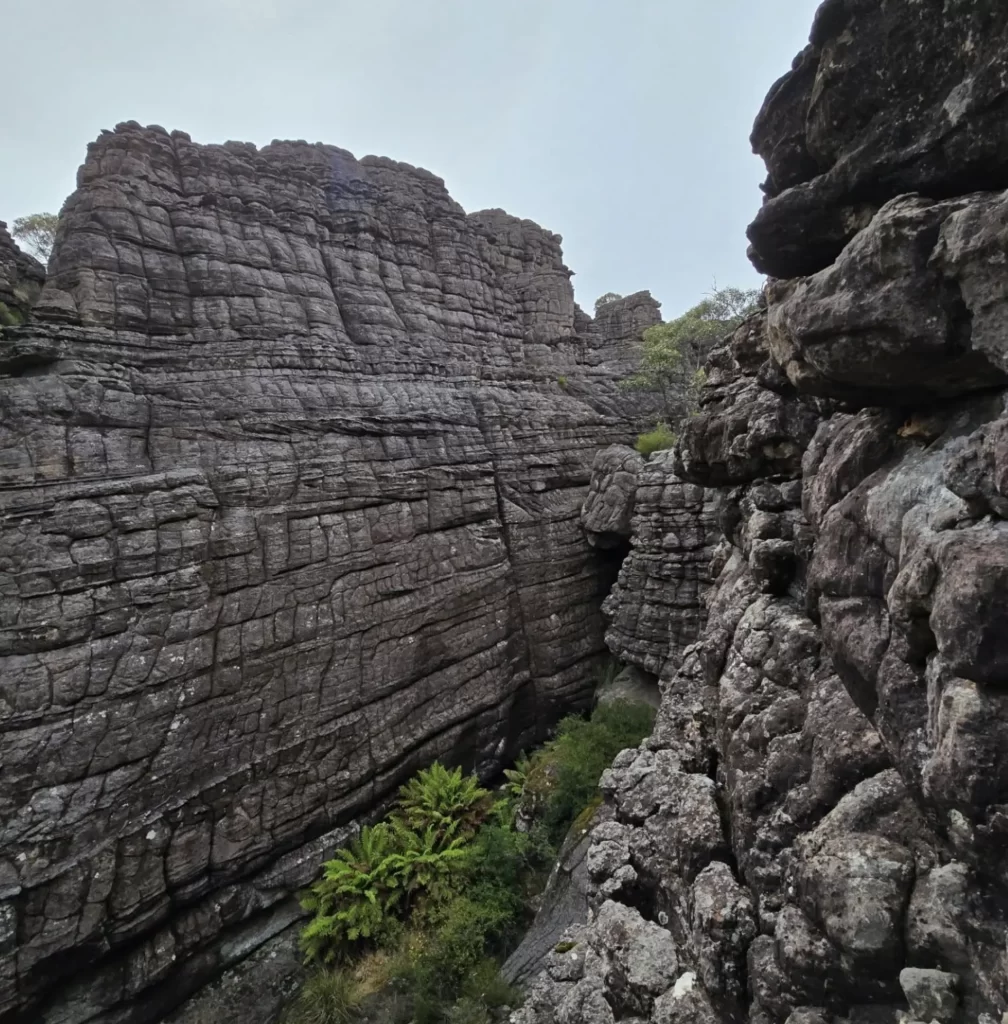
x=621, y=124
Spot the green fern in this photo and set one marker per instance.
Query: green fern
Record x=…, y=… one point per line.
x=445, y=800
x=356, y=898
x=429, y=865
x=517, y=777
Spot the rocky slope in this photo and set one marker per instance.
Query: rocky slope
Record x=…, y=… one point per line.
x=291, y=470
x=817, y=830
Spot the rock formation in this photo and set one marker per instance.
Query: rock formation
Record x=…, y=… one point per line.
x=291, y=468
x=21, y=280
x=656, y=609
x=817, y=830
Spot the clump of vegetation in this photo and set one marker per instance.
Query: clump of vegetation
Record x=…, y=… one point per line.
x=562, y=381
x=421, y=908
x=444, y=800
x=673, y=356
x=9, y=317
x=656, y=440
x=604, y=300
x=427, y=900
x=327, y=997
x=580, y=752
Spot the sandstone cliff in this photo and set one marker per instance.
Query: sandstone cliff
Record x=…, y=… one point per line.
x=291, y=470
x=21, y=280
x=817, y=830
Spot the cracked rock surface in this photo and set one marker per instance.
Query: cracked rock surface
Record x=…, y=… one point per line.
x=21, y=278
x=819, y=821
x=292, y=463
x=656, y=608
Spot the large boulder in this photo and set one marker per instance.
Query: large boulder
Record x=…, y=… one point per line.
x=887, y=99
x=909, y=310
x=608, y=509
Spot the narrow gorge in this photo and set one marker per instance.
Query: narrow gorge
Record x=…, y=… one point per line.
x=309, y=478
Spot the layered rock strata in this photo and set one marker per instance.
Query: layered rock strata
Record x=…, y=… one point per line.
x=21, y=280
x=291, y=470
x=816, y=831
x=656, y=609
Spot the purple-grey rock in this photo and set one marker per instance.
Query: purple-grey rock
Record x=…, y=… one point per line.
x=291, y=494
x=887, y=99
x=656, y=608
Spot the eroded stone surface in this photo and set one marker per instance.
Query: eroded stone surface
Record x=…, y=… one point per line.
x=887, y=99
x=608, y=509
x=291, y=506
x=907, y=311
x=21, y=279
x=845, y=699
x=656, y=609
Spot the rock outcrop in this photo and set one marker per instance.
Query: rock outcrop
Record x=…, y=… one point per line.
x=291, y=470
x=656, y=609
x=21, y=280
x=887, y=99
x=819, y=823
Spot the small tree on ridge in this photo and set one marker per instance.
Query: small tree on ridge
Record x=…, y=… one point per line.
x=38, y=233
x=674, y=353
x=603, y=300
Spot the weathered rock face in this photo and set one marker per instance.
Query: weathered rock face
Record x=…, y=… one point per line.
x=607, y=513
x=820, y=819
x=887, y=99
x=21, y=280
x=656, y=608
x=291, y=471
x=909, y=311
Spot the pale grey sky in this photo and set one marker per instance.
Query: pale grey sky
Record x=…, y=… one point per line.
x=621, y=124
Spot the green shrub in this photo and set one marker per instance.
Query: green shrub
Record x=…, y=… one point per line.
x=426, y=903
x=585, y=748
x=406, y=865
x=367, y=887
x=457, y=945
x=327, y=997
x=517, y=777
x=486, y=986
x=561, y=780
x=10, y=317
x=356, y=897
x=428, y=866
x=562, y=381
x=655, y=440
x=445, y=800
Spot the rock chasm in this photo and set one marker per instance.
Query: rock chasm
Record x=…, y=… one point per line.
x=308, y=477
